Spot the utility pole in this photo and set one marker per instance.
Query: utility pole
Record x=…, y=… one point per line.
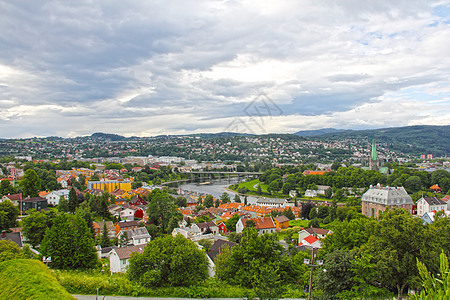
x=310, y=263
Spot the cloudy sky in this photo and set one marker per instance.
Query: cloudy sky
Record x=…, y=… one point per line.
x=143, y=68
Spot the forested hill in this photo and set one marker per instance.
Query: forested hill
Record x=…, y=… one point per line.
x=416, y=140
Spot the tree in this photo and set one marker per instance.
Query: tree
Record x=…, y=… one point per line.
x=231, y=222
x=35, y=225
x=250, y=224
x=245, y=201
x=397, y=240
x=259, y=190
x=63, y=205
x=168, y=261
x=313, y=213
x=8, y=215
x=69, y=243
x=181, y=201
x=225, y=198
x=322, y=212
x=73, y=200
x=329, y=193
x=289, y=214
x=256, y=263
x=161, y=209
x=206, y=244
x=306, y=209
x=413, y=184
x=30, y=184
x=209, y=201
x=104, y=240
x=6, y=188
x=237, y=199
x=338, y=276
x=273, y=187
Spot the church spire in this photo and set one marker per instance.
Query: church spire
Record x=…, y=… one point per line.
x=373, y=153
x=373, y=157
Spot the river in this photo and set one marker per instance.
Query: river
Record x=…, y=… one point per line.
x=216, y=188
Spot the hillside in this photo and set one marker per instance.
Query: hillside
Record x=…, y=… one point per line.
x=29, y=279
x=309, y=133
x=415, y=140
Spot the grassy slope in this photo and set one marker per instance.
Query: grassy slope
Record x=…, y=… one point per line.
x=29, y=279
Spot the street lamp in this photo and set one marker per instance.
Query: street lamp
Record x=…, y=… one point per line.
x=310, y=263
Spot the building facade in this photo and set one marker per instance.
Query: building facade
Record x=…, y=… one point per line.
x=378, y=198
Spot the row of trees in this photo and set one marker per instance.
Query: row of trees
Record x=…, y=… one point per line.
x=413, y=180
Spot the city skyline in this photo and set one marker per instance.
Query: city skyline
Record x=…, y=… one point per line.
x=183, y=67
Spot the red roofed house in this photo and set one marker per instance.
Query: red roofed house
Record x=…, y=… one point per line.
x=310, y=241
x=262, y=225
x=316, y=232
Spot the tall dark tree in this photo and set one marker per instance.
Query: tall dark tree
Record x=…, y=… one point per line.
x=63, y=205
x=30, y=184
x=104, y=240
x=73, y=200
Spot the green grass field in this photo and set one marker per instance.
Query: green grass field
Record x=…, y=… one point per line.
x=29, y=279
x=252, y=187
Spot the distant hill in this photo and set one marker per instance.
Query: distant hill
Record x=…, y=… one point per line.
x=29, y=279
x=415, y=140
x=108, y=136
x=307, y=133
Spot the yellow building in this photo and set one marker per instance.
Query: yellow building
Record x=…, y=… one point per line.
x=110, y=185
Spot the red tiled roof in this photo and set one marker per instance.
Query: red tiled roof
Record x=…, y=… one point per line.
x=310, y=239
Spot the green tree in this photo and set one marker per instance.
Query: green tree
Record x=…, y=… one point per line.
x=73, y=200
x=256, y=263
x=225, y=198
x=168, y=261
x=273, y=187
x=161, y=209
x=259, y=190
x=209, y=201
x=30, y=184
x=104, y=240
x=413, y=184
x=289, y=214
x=35, y=225
x=69, y=243
x=231, y=222
x=63, y=205
x=397, y=240
x=338, y=276
x=8, y=215
x=237, y=199
x=6, y=188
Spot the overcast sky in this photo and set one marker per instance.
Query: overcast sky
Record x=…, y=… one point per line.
x=144, y=68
